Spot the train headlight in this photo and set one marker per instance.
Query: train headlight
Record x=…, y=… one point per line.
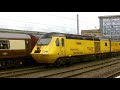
x=38, y=50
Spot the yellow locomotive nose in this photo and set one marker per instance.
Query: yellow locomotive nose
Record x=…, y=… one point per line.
x=39, y=58
x=43, y=58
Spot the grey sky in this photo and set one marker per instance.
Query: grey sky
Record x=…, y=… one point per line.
x=65, y=22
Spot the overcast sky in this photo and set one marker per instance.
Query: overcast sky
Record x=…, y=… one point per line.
x=65, y=22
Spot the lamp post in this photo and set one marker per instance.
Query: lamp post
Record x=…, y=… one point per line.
x=77, y=24
x=111, y=36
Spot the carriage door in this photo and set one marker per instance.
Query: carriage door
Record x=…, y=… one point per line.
x=28, y=46
x=62, y=46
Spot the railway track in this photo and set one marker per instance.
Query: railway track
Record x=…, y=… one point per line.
x=81, y=70
x=114, y=75
x=20, y=71
x=94, y=72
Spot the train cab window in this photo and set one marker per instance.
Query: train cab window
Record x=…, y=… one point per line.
x=57, y=42
x=4, y=44
x=44, y=41
x=62, y=40
x=105, y=44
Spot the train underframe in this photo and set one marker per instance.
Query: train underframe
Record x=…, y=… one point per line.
x=76, y=59
x=16, y=62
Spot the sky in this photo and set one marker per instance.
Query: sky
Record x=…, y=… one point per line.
x=64, y=22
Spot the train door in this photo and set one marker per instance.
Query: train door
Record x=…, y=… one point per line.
x=97, y=47
x=28, y=47
x=62, y=46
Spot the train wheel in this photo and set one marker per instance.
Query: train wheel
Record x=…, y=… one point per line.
x=10, y=63
x=3, y=65
x=18, y=63
x=58, y=63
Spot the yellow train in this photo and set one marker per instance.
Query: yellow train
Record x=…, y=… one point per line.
x=62, y=48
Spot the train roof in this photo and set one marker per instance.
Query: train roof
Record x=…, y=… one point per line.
x=14, y=35
x=36, y=35
x=70, y=36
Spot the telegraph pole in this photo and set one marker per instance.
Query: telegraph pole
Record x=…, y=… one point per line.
x=77, y=24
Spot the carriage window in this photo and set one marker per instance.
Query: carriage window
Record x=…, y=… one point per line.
x=62, y=40
x=57, y=42
x=105, y=44
x=4, y=44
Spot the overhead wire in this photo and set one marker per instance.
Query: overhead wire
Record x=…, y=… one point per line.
x=24, y=27
x=69, y=18
x=49, y=24
x=4, y=25
x=59, y=17
x=32, y=22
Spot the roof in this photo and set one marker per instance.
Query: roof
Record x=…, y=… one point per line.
x=69, y=36
x=20, y=31
x=109, y=16
x=14, y=35
x=90, y=31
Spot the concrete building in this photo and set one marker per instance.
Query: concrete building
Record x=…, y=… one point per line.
x=110, y=26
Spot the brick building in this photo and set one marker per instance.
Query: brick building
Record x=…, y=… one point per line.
x=92, y=32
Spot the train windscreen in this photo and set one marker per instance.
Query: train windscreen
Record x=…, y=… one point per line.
x=44, y=41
